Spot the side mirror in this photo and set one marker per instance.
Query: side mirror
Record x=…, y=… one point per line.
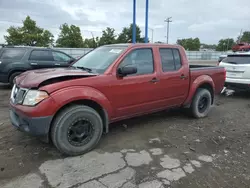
x=126, y=70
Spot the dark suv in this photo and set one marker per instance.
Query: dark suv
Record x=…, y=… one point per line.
x=16, y=60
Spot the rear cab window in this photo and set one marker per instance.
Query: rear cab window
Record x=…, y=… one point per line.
x=237, y=59
x=170, y=59
x=41, y=55
x=12, y=53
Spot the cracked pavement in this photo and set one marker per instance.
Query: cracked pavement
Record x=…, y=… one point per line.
x=111, y=170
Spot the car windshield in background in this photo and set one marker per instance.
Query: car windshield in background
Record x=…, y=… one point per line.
x=100, y=58
x=237, y=59
x=12, y=53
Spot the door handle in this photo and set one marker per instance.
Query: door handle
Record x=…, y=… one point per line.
x=57, y=64
x=183, y=76
x=33, y=63
x=154, y=80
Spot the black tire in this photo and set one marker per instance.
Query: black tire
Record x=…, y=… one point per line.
x=12, y=77
x=196, y=110
x=61, y=127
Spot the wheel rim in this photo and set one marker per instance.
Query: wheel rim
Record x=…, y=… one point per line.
x=80, y=132
x=203, y=104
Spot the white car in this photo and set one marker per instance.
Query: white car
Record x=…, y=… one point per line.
x=237, y=67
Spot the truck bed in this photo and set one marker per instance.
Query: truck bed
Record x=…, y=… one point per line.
x=215, y=72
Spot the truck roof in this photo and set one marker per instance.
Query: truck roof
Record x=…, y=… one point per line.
x=143, y=44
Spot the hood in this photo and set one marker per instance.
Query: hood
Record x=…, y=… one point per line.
x=35, y=78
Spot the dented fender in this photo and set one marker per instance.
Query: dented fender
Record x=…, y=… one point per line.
x=70, y=94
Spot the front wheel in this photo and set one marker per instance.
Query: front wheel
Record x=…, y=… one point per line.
x=201, y=103
x=76, y=130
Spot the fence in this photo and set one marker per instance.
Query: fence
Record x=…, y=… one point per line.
x=192, y=55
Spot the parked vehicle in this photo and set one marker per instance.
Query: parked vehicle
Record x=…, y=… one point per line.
x=74, y=106
x=237, y=71
x=16, y=60
x=243, y=46
x=221, y=57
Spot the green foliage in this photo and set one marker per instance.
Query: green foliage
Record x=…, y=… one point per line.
x=245, y=37
x=225, y=44
x=190, y=43
x=91, y=43
x=108, y=36
x=126, y=35
x=29, y=34
x=14, y=37
x=70, y=37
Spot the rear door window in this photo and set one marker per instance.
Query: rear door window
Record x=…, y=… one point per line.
x=167, y=59
x=170, y=59
x=41, y=55
x=237, y=59
x=15, y=53
x=177, y=59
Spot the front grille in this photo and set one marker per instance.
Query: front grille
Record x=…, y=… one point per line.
x=18, y=94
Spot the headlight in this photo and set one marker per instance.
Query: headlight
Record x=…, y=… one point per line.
x=33, y=97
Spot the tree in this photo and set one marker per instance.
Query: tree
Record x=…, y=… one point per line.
x=29, y=34
x=108, y=36
x=126, y=35
x=245, y=37
x=91, y=42
x=190, y=43
x=70, y=37
x=225, y=44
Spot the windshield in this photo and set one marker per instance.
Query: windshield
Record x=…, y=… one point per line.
x=100, y=58
x=237, y=59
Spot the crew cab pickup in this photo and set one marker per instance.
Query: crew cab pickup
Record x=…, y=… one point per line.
x=74, y=106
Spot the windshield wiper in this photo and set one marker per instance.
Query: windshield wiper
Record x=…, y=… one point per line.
x=84, y=68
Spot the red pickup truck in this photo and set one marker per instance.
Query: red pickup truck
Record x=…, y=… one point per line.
x=241, y=47
x=74, y=106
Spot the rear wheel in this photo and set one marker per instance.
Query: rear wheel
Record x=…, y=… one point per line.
x=12, y=77
x=77, y=130
x=201, y=103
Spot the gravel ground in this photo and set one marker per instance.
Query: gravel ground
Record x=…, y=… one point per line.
x=166, y=149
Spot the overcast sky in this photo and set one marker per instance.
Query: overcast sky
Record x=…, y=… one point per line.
x=208, y=20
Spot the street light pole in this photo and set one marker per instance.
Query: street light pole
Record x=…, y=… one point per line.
x=134, y=22
x=152, y=35
x=146, y=23
x=168, y=20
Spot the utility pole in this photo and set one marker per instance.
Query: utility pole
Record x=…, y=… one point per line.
x=227, y=43
x=168, y=20
x=240, y=36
